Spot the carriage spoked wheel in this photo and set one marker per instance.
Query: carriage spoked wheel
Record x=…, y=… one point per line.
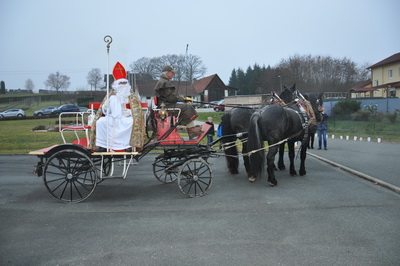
x=164, y=170
x=194, y=177
x=70, y=175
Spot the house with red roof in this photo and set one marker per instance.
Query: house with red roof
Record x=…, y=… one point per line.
x=206, y=89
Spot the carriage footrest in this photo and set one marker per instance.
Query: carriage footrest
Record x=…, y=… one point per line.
x=113, y=177
x=115, y=153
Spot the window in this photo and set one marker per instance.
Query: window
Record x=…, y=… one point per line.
x=390, y=73
x=376, y=82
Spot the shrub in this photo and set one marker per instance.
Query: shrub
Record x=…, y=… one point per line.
x=361, y=115
x=379, y=116
x=344, y=109
x=392, y=117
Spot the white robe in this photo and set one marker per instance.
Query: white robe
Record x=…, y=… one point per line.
x=119, y=121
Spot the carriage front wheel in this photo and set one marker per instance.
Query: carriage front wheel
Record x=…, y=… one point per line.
x=164, y=169
x=70, y=175
x=195, y=177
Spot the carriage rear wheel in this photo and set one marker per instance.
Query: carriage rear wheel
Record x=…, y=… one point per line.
x=164, y=170
x=195, y=177
x=70, y=175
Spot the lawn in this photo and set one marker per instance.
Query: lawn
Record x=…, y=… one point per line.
x=17, y=137
x=29, y=109
x=388, y=132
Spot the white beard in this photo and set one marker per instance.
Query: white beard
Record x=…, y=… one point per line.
x=122, y=91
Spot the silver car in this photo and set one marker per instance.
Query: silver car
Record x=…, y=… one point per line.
x=12, y=113
x=44, y=111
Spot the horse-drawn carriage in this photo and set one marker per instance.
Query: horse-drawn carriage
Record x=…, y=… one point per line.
x=71, y=171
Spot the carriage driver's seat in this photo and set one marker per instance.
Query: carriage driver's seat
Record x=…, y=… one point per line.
x=156, y=107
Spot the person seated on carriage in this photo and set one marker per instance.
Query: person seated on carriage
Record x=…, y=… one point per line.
x=166, y=93
x=115, y=126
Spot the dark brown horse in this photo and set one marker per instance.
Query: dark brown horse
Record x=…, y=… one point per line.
x=237, y=121
x=277, y=124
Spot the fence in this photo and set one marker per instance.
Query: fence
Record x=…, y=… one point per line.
x=383, y=105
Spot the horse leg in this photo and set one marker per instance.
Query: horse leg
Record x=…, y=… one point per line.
x=247, y=163
x=303, y=155
x=232, y=159
x=270, y=169
x=291, y=158
x=281, y=164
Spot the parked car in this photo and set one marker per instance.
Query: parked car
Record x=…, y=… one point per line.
x=12, y=113
x=211, y=104
x=65, y=108
x=83, y=109
x=220, y=106
x=196, y=105
x=44, y=111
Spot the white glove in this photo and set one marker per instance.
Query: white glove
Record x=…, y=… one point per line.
x=91, y=119
x=127, y=113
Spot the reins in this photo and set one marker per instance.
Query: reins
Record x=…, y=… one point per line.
x=232, y=105
x=306, y=114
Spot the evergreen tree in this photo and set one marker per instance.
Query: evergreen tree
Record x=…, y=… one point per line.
x=254, y=80
x=2, y=87
x=241, y=82
x=233, y=81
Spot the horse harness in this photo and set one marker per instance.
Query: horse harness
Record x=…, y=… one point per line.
x=305, y=114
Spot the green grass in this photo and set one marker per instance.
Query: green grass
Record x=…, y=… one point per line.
x=17, y=136
x=29, y=109
x=388, y=132
x=215, y=115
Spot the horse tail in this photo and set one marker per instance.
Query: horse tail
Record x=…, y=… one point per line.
x=231, y=152
x=256, y=142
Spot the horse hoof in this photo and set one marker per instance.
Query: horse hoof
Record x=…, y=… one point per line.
x=293, y=173
x=252, y=179
x=234, y=172
x=273, y=184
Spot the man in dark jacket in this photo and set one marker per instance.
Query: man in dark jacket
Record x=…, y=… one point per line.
x=322, y=129
x=166, y=93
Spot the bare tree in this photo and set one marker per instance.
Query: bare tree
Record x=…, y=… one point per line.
x=320, y=73
x=29, y=85
x=94, y=78
x=145, y=65
x=188, y=68
x=57, y=81
x=194, y=68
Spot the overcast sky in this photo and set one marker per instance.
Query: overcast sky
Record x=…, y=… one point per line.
x=39, y=37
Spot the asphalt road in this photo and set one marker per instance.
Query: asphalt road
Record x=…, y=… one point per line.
x=328, y=217
x=379, y=160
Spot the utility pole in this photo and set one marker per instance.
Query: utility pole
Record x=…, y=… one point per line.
x=186, y=54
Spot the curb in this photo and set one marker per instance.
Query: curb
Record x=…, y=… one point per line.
x=359, y=174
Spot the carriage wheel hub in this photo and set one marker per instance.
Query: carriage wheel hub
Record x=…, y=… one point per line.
x=69, y=176
x=195, y=178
